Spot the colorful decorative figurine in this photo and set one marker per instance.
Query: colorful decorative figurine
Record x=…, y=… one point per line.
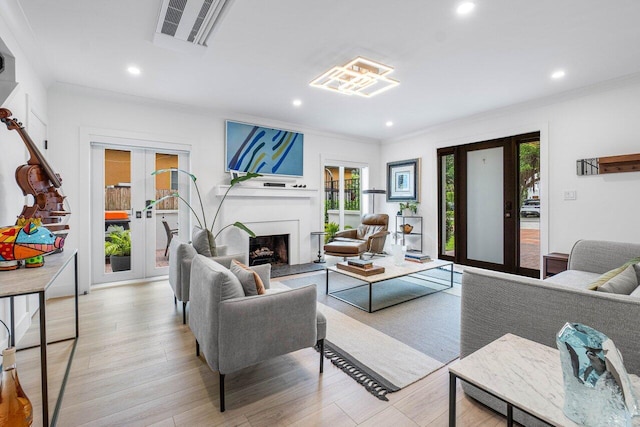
x=28, y=241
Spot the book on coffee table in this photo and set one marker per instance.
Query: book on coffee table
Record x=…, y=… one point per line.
x=362, y=263
x=417, y=257
x=359, y=270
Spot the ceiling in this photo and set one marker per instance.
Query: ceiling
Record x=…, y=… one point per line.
x=265, y=53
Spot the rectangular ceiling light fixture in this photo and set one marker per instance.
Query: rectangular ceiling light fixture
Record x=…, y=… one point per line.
x=361, y=76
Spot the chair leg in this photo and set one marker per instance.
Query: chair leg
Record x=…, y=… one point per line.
x=222, y=393
x=321, y=345
x=184, y=312
x=197, y=349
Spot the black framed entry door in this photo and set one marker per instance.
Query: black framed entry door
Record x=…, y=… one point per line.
x=479, y=204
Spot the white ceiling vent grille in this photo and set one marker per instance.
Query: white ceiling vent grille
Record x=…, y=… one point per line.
x=191, y=21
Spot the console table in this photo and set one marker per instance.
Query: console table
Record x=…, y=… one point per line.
x=37, y=281
x=524, y=374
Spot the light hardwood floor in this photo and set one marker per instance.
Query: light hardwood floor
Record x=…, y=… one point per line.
x=135, y=364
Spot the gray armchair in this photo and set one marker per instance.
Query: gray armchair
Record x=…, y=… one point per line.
x=180, y=256
x=234, y=331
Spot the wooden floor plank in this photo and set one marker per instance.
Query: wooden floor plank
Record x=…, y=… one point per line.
x=135, y=364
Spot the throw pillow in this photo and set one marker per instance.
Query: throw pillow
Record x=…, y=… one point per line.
x=623, y=283
x=250, y=280
x=611, y=273
x=200, y=242
x=635, y=293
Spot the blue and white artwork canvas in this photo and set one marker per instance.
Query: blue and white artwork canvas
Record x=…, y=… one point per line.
x=263, y=150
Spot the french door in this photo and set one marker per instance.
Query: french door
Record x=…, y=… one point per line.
x=482, y=188
x=343, y=183
x=122, y=186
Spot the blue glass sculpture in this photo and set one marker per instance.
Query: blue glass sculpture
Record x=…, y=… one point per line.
x=597, y=388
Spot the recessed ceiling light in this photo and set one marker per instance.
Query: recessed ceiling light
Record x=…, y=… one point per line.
x=297, y=102
x=465, y=8
x=134, y=70
x=558, y=74
x=389, y=123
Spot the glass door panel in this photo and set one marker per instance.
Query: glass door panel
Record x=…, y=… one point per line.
x=529, y=194
x=117, y=209
x=447, y=205
x=485, y=201
x=166, y=212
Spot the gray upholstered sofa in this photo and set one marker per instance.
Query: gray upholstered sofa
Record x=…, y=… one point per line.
x=181, y=254
x=235, y=331
x=494, y=304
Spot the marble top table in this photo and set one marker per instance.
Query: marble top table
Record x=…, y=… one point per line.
x=523, y=373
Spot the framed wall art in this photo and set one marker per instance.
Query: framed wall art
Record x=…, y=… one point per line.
x=403, y=179
x=268, y=151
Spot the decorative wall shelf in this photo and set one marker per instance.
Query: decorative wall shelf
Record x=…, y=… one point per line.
x=610, y=164
x=254, y=191
x=624, y=163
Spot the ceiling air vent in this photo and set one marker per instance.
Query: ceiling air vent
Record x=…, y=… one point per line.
x=190, y=21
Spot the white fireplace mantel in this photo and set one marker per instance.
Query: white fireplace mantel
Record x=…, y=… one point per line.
x=254, y=191
x=267, y=211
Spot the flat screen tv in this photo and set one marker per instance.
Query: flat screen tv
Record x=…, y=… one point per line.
x=268, y=151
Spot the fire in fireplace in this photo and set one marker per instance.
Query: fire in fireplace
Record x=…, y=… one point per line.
x=272, y=250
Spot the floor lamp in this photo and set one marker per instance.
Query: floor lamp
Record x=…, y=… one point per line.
x=373, y=191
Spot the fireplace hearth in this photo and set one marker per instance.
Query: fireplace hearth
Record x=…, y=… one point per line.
x=272, y=250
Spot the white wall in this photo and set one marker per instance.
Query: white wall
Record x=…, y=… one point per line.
x=594, y=122
x=30, y=95
x=73, y=110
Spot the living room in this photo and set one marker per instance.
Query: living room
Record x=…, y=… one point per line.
x=591, y=112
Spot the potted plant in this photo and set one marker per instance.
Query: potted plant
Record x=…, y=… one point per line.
x=202, y=221
x=331, y=228
x=408, y=208
x=117, y=247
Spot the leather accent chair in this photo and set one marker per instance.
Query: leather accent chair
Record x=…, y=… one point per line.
x=235, y=331
x=369, y=237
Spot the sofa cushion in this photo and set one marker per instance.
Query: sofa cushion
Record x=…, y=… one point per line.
x=346, y=247
x=250, y=280
x=623, y=283
x=573, y=278
x=611, y=273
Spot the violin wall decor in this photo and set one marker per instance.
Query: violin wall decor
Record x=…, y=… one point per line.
x=37, y=179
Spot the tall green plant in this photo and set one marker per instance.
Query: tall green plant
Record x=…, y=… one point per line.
x=203, y=222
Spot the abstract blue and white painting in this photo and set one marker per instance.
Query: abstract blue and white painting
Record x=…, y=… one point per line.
x=251, y=148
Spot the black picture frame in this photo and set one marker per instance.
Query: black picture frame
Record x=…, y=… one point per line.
x=403, y=181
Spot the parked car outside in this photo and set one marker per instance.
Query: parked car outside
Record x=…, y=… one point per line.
x=530, y=207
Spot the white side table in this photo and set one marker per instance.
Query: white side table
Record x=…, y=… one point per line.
x=524, y=374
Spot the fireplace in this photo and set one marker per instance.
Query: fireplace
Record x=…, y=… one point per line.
x=272, y=250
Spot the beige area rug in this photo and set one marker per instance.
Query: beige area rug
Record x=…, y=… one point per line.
x=376, y=360
x=394, y=361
